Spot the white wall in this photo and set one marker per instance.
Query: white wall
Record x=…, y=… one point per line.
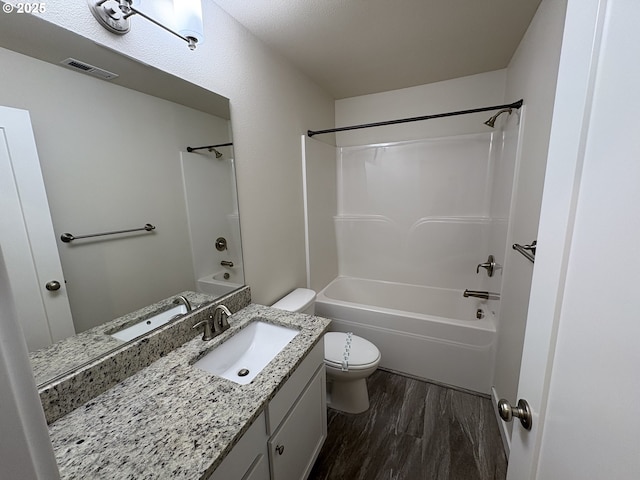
x=482, y=90
x=110, y=159
x=272, y=104
x=531, y=75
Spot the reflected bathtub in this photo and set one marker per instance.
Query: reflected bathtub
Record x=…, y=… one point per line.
x=426, y=332
x=216, y=285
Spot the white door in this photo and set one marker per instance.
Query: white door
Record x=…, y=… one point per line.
x=27, y=237
x=580, y=369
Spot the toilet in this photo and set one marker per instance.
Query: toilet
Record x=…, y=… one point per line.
x=348, y=359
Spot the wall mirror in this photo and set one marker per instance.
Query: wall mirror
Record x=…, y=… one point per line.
x=114, y=156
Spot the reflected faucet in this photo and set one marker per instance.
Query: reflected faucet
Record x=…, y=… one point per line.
x=181, y=299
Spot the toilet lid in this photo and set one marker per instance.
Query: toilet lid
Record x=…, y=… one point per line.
x=362, y=352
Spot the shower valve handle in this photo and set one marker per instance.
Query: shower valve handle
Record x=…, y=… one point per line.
x=490, y=265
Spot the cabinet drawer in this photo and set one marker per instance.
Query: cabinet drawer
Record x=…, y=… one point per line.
x=285, y=398
x=296, y=444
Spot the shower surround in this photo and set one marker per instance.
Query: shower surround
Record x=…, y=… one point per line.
x=416, y=212
x=414, y=219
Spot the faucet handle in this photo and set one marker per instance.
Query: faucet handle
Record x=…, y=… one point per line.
x=490, y=265
x=220, y=315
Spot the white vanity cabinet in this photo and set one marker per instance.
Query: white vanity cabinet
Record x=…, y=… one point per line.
x=295, y=445
x=285, y=440
x=248, y=460
x=297, y=419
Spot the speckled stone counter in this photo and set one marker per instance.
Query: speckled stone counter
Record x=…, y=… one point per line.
x=86, y=346
x=72, y=389
x=172, y=420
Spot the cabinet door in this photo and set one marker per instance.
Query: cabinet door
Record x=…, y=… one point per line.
x=260, y=469
x=248, y=458
x=296, y=444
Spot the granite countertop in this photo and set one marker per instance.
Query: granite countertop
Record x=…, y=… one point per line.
x=172, y=420
x=72, y=389
x=85, y=346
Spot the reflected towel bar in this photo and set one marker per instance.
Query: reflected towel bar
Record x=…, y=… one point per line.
x=67, y=237
x=193, y=149
x=528, y=251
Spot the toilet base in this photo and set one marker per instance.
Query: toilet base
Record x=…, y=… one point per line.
x=349, y=397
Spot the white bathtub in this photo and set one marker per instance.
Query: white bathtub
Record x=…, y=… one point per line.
x=216, y=285
x=431, y=333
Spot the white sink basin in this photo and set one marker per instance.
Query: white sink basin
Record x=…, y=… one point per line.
x=149, y=324
x=246, y=353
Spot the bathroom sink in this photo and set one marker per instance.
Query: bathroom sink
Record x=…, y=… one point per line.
x=247, y=352
x=148, y=324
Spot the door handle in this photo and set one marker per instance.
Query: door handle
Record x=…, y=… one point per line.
x=521, y=411
x=52, y=286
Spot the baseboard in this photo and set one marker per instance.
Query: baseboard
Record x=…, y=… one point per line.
x=502, y=426
x=435, y=382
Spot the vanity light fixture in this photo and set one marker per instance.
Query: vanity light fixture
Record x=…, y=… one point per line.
x=114, y=16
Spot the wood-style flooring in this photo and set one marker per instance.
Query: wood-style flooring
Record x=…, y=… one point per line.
x=413, y=430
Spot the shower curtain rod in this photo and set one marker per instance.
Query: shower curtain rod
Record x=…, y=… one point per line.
x=191, y=149
x=515, y=105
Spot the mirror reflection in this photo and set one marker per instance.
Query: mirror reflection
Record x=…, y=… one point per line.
x=113, y=159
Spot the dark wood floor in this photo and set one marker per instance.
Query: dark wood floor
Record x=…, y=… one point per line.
x=413, y=430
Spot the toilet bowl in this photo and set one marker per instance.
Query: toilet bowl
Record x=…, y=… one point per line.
x=348, y=359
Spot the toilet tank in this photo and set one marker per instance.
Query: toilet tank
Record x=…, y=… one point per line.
x=301, y=300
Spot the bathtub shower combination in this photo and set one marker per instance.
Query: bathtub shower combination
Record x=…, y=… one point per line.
x=448, y=344
x=414, y=222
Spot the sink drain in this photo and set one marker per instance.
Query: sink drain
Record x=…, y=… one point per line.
x=243, y=372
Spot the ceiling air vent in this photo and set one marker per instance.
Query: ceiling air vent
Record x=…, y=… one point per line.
x=88, y=69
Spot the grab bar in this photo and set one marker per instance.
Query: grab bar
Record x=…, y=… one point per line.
x=68, y=237
x=526, y=249
x=481, y=294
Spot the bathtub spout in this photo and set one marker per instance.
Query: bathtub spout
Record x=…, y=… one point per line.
x=481, y=294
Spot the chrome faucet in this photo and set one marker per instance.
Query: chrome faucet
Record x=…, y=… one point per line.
x=481, y=294
x=226, y=263
x=207, y=333
x=220, y=322
x=215, y=324
x=181, y=299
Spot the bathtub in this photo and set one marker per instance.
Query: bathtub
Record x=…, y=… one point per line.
x=430, y=333
x=216, y=285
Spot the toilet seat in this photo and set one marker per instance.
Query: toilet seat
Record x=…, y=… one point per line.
x=362, y=355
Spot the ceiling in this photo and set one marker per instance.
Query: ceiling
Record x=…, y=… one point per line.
x=358, y=47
